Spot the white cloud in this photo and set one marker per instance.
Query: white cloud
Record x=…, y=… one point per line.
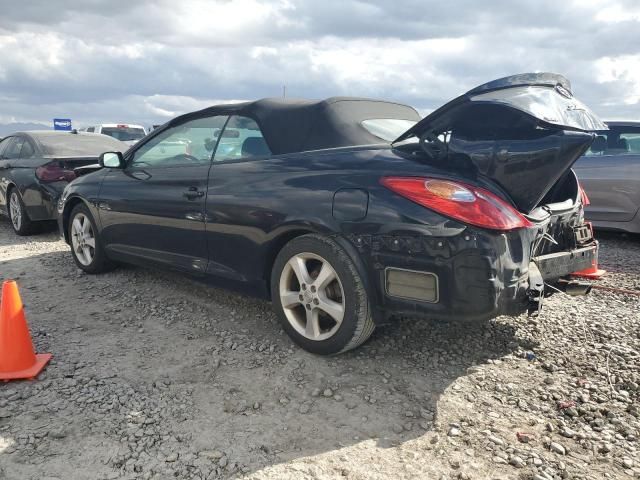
x=618, y=13
x=622, y=70
x=371, y=66
x=116, y=60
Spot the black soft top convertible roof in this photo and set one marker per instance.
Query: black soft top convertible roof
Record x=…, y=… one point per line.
x=295, y=125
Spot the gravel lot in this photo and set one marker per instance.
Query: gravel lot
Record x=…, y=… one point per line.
x=157, y=376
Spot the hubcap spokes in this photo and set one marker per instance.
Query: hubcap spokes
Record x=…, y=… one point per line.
x=312, y=296
x=15, y=211
x=83, y=239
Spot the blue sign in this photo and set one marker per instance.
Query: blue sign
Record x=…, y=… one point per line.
x=62, y=124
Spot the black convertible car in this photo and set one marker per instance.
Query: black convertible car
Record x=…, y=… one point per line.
x=347, y=211
x=36, y=166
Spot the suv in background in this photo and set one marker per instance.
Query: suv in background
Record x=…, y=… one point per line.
x=125, y=132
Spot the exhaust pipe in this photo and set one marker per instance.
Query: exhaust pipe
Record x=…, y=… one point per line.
x=575, y=288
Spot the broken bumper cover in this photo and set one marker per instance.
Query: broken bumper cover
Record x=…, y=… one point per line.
x=478, y=274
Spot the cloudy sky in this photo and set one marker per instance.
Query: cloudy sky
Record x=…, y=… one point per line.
x=146, y=61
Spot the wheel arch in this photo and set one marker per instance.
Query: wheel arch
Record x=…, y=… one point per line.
x=69, y=205
x=7, y=193
x=285, y=237
x=277, y=244
x=10, y=186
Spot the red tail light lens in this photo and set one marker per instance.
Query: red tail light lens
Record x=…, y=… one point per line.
x=54, y=172
x=583, y=196
x=466, y=203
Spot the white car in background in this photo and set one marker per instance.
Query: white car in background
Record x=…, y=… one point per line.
x=125, y=132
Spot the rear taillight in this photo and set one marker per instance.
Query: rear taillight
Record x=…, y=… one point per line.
x=54, y=172
x=583, y=197
x=466, y=203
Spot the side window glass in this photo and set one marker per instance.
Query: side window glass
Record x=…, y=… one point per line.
x=27, y=150
x=91, y=129
x=599, y=145
x=630, y=142
x=616, y=142
x=191, y=143
x=3, y=146
x=14, y=147
x=241, y=138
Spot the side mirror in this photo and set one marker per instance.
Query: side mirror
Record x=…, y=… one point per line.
x=112, y=160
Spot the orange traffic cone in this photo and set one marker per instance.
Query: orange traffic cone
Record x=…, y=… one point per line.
x=17, y=358
x=593, y=272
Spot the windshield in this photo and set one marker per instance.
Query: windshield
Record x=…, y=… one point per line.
x=387, y=128
x=124, y=134
x=78, y=145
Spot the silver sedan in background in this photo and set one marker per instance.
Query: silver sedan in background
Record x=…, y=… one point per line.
x=610, y=175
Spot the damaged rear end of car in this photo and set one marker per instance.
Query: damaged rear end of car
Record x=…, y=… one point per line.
x=498, y=165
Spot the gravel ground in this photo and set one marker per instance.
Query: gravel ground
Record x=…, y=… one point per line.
x=157, y=376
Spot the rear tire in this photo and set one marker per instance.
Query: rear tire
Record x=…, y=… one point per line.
x=20, y=220
x=86, y=247
x=319, y=296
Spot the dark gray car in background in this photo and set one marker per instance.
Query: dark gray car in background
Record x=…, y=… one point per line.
x=609, y=172
x=35, y=167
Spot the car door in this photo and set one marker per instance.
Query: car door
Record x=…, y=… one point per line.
x=610, y=174
x=239, y=217
x=153, y=209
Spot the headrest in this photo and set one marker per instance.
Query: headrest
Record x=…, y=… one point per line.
x=622, y=144
x=255, y=147
x=599, y=144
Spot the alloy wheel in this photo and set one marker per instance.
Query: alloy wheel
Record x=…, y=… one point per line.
x=83, y=239
x=312, y=296
x=15, y=211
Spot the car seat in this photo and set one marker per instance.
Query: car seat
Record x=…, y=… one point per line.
x=599, y=145
x=622, y=144
x=255, y=147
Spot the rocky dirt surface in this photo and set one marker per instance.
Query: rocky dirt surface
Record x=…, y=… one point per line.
x=157, y=376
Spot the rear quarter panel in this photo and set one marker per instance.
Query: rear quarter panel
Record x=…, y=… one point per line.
x=20, y=173
x=252, y=205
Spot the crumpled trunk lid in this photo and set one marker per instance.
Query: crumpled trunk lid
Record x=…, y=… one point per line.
x=521, y=132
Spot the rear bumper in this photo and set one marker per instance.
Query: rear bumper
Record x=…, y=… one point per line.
x=479, y=274
x=557, y=265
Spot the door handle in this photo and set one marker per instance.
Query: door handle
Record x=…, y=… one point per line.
x=193, y=193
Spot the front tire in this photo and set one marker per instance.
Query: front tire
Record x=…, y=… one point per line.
x=86, y=248
x=319, y=296
x=20, y=220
